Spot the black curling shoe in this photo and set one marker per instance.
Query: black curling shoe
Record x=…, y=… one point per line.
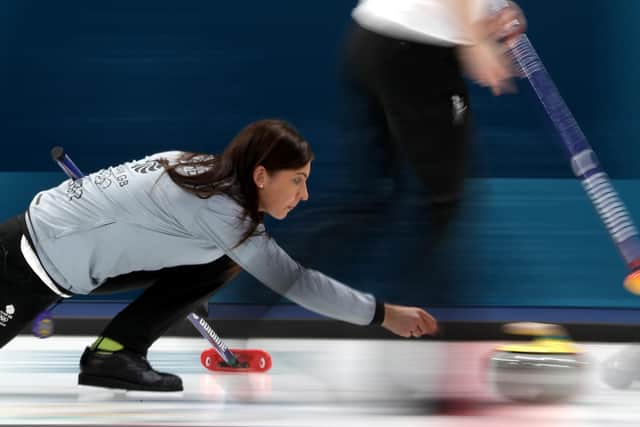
x=124, y=370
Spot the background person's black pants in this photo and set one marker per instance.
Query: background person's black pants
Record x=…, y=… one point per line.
x=405, y=128
x=410, y=103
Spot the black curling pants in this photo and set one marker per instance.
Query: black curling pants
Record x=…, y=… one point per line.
x=170, y=294
x=22, y=294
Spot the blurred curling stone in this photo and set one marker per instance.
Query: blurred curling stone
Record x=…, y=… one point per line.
x=547, y=369
x=622, y=369
x=42, y=326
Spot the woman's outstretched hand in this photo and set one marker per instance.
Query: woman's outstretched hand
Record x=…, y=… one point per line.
x=408, y=321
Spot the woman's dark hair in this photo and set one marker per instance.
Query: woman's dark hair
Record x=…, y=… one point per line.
x=273, y=144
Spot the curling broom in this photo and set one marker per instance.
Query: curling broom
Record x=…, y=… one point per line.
x=583, y=160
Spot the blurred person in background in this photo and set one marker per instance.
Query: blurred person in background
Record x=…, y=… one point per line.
x=406, y=63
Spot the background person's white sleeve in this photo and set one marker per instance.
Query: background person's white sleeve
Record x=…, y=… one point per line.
x=439, y=22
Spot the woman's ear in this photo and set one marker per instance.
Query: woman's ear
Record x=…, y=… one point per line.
x=259, y=176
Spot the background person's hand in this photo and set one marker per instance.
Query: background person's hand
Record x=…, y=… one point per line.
x=408, y=321
x=487, y=65
x=505, y=24
x=487, y=62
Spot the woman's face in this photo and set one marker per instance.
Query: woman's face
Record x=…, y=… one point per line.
x=279, y=192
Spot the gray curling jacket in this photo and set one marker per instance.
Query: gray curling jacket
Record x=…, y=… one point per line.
x=133, y=217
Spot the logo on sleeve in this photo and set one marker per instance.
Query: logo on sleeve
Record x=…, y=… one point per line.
x=6, y=315
x=74, y=189
x=103, y=179
x=458, y=108
x=147, y=167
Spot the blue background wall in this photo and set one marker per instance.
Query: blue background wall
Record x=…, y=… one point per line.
x=113, y=81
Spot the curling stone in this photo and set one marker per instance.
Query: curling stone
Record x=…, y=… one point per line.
x=622, y=369
x=547, y=369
